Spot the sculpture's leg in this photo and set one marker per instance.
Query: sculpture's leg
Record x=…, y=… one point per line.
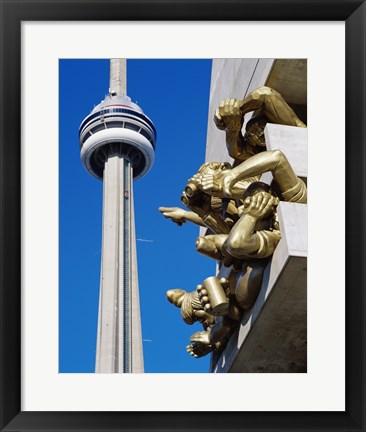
x=210, y=245
x=249, y=283
x=221, y=329
x=198, y=349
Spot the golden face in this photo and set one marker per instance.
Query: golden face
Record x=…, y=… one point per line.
x=255, y=135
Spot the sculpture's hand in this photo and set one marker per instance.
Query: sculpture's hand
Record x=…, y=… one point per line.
x=211, y=185
x=196, y=178
x=229, y=115
x=261, y=205
x=219, y=185
x=176, y=214
x=202, y=337
x=219, y=122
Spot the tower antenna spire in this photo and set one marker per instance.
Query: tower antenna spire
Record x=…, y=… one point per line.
x=118, y=77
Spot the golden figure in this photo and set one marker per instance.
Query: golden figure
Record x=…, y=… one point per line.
x=270, y=107
x=190, y=307
x=205, y=208
x=224, y=299
x=192, y=311
x=220, y=313
x=250, y=242
x=216, y=329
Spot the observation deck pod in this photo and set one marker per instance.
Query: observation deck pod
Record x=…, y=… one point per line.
x=117, y=126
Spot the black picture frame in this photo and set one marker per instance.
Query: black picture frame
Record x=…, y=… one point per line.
x=12, y=14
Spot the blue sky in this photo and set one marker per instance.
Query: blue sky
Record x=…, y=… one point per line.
x=174, y=94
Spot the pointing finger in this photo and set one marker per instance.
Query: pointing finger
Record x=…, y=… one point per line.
x=165, y=209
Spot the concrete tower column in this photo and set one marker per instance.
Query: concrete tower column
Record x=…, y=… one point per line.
x=119, y=342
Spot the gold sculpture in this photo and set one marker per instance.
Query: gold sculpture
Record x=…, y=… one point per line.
x=217, y=324
x=270, y=107
x=225, y=183
x=240, y=214
x=256, y=236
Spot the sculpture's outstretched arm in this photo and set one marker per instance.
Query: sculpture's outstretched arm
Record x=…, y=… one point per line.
x=180, y=216
x=272, y=105
x=292, y=188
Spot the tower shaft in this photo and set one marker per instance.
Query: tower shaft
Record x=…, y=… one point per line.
x=119, y=341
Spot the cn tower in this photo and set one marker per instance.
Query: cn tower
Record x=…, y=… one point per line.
x=117, y=145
